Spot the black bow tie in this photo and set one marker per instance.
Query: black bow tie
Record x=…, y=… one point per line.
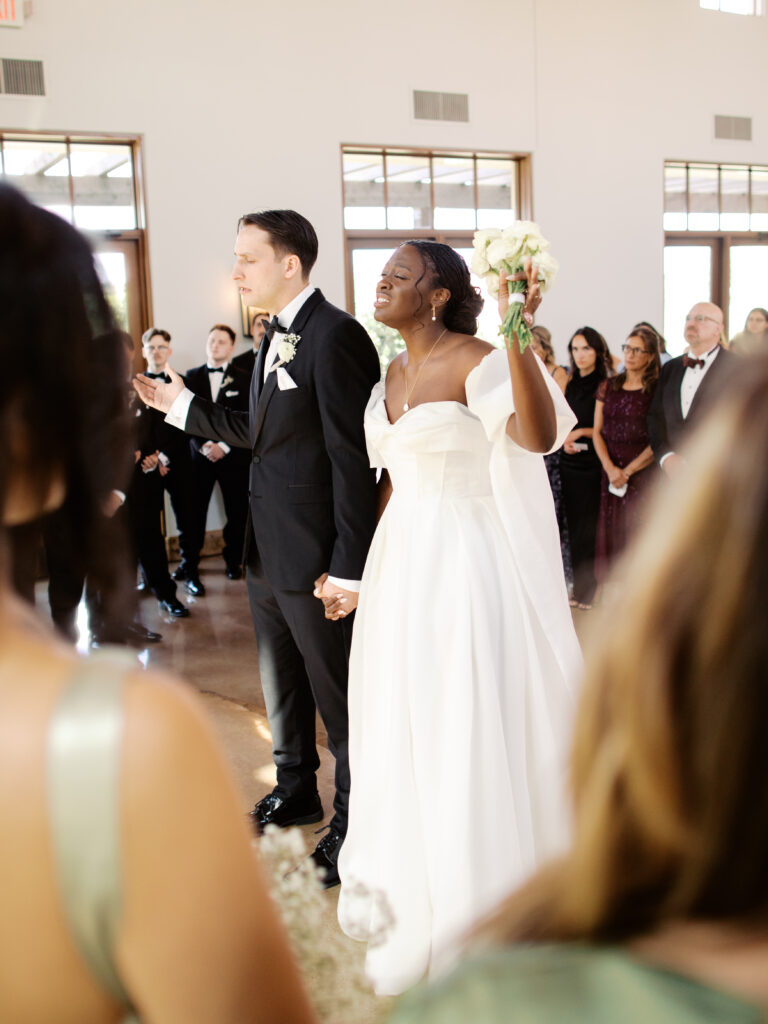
x=273, y=327
x=157, y=376
x=215, y=369
x=690, y=362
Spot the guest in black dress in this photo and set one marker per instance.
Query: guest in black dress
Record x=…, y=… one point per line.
x=580, y=469
x=622, y=444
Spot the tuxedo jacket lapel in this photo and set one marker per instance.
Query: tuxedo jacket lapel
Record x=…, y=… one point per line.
x=265, y=391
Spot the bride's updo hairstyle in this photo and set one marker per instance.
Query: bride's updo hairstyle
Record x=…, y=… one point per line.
x=63, y=408
x=450, y=271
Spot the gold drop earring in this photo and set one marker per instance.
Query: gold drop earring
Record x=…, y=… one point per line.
x=434, y=313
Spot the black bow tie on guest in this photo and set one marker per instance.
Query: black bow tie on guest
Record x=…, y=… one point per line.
x=158, y=376
x=272, y=327
x=215, y=369
x=689, y=361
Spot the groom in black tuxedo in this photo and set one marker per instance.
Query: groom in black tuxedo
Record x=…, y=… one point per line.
x=312, y=508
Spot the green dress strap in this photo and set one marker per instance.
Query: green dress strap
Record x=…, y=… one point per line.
x=83, y=786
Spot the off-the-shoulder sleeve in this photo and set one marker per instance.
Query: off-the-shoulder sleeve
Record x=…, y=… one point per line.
x=524, y=501
x=489, y=397
x=376, y=422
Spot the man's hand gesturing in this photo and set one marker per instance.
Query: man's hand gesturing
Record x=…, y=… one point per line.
x=156, y=393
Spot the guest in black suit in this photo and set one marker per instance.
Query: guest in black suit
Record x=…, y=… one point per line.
x=688, y=385
x=312, y=505
x=173, y=444
x=215, y=462
x=247, y=360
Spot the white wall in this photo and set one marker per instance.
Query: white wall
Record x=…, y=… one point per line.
x=248, y=108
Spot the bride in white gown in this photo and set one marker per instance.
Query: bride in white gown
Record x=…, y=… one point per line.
x=464, y=657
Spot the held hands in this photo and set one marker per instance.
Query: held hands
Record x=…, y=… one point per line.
x=616, y=476
x=568, y=445
x=156, y=393
x=532, y=292
x=212, y=451
x=338, y=603
x=149, y=462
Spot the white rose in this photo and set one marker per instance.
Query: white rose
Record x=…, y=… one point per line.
x=286, y=350
x=504, y=253
x=492, y=283
x=479, y=264
x=484, y=237
x=548, y=268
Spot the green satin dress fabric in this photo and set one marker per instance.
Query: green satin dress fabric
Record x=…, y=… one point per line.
x=568, y=985
x=83, y=780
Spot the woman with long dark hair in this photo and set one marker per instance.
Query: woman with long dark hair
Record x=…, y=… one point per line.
x=129, y=882
x=658, y=911
x=580, y=469
x=621, y=442
x=753, y=339
x=463, y=655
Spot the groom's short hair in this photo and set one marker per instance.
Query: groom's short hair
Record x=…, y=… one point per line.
x=290, y=234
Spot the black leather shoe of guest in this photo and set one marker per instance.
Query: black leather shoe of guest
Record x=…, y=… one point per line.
x=326, y=856
x=193, y=585
x=285, y=811
x=174, y=607
x=181, y=572
x=137, y=635
x=234, y=572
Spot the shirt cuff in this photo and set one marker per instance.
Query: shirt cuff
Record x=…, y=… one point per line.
x=120, y=494
x=664, y=458
x=224, y=447
x=177, y=414
x=162, y=457
x=353, y=585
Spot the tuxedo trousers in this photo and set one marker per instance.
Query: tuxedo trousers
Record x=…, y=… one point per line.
x=303, y=664
x=233, y=481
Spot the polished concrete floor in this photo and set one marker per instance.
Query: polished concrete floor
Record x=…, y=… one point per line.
x=214, y=650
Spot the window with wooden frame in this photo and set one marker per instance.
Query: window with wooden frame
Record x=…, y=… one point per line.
x=715, y=242
x=94, y=182
x=393, y=194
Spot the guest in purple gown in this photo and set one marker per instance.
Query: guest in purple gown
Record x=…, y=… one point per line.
x=620, y=437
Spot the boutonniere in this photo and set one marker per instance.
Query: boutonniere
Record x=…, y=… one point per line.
x=286, y=350
x=227, y=380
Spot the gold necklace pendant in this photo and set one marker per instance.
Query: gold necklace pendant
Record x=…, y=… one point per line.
x=408, y=393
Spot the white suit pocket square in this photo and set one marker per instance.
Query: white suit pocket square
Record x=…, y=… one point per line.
x=284, y=380
x=231, y=394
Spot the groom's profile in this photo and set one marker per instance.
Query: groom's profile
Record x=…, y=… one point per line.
x=312, y=507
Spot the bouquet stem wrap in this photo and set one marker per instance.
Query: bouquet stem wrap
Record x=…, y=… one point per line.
x=514, y=323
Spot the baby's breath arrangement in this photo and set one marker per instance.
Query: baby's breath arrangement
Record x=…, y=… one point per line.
x=339, y=990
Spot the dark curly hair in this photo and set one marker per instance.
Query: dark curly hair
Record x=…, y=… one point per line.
x=61, y=423
x=449, y=271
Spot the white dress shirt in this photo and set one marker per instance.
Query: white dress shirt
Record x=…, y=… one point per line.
x=285, y=318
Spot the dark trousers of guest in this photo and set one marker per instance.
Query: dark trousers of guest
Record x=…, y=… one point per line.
x=177, y=484
x=144, y=505
x=581, y=502
x=303, y=664
x=233, y=481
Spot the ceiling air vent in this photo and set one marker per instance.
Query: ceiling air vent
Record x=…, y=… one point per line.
x=440, y=106
x=21, y=77
x=733, y=128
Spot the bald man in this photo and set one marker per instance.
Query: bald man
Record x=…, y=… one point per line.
x=688, y=384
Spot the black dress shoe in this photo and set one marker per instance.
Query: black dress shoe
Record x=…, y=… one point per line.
x=174, y=607
x=326, y=856
x=234, y=572
x=194, y=586
x=137, y=634
x=285, y=811
x=182, y=572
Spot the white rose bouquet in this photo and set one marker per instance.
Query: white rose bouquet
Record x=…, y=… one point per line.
x=509, y=250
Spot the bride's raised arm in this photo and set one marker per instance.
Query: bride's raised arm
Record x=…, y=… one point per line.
x=533, y=424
